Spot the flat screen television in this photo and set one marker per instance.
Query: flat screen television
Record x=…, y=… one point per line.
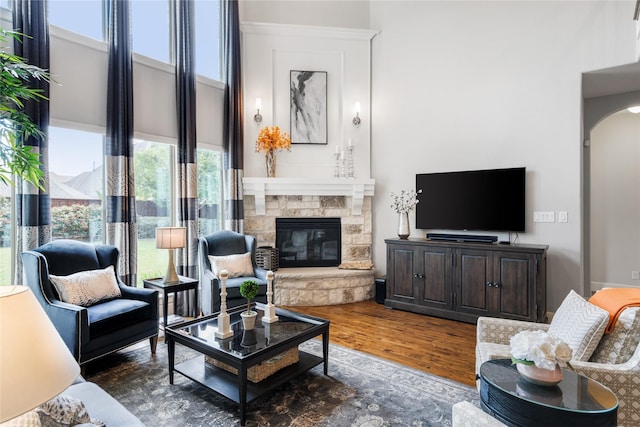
x=476, y=200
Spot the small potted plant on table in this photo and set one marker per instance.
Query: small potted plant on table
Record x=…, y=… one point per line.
x=249, y=290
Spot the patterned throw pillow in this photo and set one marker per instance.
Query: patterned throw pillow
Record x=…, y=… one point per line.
x=63, y=411
x=580, y=324
x=619, y=345
x=87, y=288
x=237, y=265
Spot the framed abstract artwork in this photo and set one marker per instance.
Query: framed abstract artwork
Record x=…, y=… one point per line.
x=308, y=107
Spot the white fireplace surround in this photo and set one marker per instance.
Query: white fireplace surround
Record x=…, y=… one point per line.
x=350, y=187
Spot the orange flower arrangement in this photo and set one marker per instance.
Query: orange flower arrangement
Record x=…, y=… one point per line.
x=271, y=138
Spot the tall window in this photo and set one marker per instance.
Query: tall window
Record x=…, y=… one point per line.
x=6, y=229
x=84, y=17
x=76, y=184
x=209, y=191
x=150, y=29
x=154, y=203
x=208, y=38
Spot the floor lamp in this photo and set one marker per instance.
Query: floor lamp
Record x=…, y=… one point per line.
x=171, y=238
x=35, y=364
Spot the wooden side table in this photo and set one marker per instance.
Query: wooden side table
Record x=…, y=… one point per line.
x=185, y=284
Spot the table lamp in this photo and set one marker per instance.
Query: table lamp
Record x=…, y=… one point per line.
x=171, y=238
x=35, y=364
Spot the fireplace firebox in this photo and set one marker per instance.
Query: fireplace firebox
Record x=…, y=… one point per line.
x=308, y=242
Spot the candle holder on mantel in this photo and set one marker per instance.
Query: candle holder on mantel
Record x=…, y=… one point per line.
x=269, y=309
x=336, y=170
x=223, y=331
x=350, y=172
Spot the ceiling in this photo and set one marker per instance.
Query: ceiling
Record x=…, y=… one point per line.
x=611, y=81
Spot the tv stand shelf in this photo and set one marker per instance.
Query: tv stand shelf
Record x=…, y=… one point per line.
x=466, y=280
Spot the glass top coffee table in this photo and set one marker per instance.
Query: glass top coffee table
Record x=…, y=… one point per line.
x=576, y=401
x=244, y=350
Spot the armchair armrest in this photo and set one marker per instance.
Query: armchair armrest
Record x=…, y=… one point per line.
x=261, y=273
x=499, y=331
x=72, y=323
x=150, y=296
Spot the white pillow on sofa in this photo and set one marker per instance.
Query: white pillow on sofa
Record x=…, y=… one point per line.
x=580, y=324
x=87, y=288
x=237, y=265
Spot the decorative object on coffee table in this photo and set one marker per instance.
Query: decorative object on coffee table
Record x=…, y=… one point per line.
x=270, y=309
x=223, y=331
x=269, y=140
x=171, y=238
x=539, y=357
x=249, y=290
x=402, y=204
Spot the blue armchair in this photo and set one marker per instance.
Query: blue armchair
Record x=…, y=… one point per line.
x=99, y=329
x=223, y=243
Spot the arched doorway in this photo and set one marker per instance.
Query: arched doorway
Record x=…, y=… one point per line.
x=607, y=93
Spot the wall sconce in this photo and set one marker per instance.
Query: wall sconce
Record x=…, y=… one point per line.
x=356, y=119
x=258, y=117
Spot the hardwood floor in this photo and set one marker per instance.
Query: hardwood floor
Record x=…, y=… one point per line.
x=439, y=346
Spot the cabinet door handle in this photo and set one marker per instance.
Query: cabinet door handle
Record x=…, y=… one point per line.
x=490, y=284
x=418, y=275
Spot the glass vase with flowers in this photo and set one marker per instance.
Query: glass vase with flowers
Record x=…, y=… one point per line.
x=270, y=139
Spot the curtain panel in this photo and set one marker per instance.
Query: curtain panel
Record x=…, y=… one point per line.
x=33, y=205
x=233, y=137
x=121, y=228
x=187, y=186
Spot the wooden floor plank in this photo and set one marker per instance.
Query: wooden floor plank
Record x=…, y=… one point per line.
x=439, y=346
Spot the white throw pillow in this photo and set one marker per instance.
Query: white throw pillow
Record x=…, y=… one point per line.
x=237, y=265
x=87, y=288
x=621, y=343
x=580, y=324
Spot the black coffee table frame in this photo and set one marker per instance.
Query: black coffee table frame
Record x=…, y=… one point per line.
x=237, y=387
x=577, y=401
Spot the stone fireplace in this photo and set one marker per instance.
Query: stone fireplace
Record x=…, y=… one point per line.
x=345, y=200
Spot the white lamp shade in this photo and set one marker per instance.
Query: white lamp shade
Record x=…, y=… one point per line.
x=171, y=237
x=35, y=364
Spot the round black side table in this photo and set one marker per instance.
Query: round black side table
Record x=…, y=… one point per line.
x=577, y=401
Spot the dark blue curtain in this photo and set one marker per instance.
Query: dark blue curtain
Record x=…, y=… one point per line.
x=32, y=203
x=233, y=137
x=121, y=229
x=187, y=186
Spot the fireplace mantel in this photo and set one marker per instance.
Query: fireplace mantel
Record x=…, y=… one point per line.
x=351, y=187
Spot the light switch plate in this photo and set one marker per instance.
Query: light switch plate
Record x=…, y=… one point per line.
x=544, y=217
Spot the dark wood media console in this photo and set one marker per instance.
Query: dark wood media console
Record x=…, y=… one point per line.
x=462, y=280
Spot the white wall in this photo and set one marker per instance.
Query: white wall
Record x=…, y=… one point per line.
x=615, y=200
x=492, y=84
x=269, y=53
x=329, y=13
x=481, y=84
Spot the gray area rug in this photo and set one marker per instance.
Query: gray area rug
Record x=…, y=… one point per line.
x=361, y=390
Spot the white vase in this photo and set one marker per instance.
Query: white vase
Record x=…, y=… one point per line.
x=248, y=319
x=540, y=376
x=403, y=225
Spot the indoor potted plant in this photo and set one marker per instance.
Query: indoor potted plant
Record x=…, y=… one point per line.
x=16, y=76
x=249, y=290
